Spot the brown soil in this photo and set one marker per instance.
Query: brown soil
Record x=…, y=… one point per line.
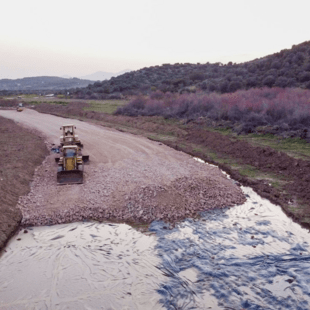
x=21, y=152
x=265, y=159
x=129, y=179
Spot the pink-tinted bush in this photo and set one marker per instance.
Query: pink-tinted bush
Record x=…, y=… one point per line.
x=265, y=106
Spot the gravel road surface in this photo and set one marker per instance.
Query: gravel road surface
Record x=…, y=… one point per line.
x=129, y=178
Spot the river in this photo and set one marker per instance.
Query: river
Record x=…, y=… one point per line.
x=250, y=256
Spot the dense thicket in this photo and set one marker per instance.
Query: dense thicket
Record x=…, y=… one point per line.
x=288, y=68
x=270, y=110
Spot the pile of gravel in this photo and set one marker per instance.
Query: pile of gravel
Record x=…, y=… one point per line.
x=138, y=190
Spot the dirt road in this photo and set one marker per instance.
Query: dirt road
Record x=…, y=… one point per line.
x=129, y=178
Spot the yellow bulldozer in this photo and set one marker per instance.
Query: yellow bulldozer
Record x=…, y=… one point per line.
x=69, y=137
x=20, y=107
x=70, y=165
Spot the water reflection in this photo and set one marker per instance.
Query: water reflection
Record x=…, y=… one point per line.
x=247, y=257
x=80, y=266
x=251, y=256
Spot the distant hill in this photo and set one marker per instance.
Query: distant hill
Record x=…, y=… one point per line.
x=287, y=68
x=42, y=83
x=101, y=75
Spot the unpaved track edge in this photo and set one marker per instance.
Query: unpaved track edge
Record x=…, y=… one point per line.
x=23, y=150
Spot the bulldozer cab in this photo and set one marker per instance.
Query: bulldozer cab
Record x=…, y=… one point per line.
x=69, y=136
x=68, y=130
x=70, y=151
x=70, y=170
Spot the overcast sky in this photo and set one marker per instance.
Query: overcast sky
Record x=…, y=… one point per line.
x=77, y=38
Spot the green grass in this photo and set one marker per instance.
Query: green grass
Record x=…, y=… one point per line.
x=35, y=102
x=219, y=159
x=55, y=100
x=29, y=96
x=105, y=106
x=249, y=171
x=295, y=147
x=223, y=130
x=159, y=137
x=277, y=181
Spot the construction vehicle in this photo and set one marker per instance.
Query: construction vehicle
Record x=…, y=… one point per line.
x=69, y=137
x=71, y=165
x=20, y=107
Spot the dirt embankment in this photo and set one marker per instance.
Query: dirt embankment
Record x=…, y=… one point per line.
x=21, y=152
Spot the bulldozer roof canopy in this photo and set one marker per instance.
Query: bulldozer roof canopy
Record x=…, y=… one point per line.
x=70, y=147
x=68, y=125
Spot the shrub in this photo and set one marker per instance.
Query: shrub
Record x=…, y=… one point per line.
x=282, y=81
x=304, y=77
x=212, y=87
x=234, y=85
x=269, y=80
x=197, y=76
x=157, y=95
x=307, y=66
x=138, y=103
x=255, y=107
x=223, y=87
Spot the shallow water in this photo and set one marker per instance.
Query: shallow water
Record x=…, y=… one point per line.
x=251, y=256
x=80, y=266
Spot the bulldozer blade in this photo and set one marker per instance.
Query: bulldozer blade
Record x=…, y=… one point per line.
x=85, y=158
x=70, y=177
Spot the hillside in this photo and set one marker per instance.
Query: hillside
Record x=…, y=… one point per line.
x=287, y=68
x=41, y=83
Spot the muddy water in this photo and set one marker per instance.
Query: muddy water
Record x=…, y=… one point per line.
x=80, y=266
x=251, y=256
x=247, y=257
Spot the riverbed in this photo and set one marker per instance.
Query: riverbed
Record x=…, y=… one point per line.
x=250, y=256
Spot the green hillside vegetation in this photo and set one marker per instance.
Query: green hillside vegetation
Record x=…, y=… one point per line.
x=39, y=84
x=287, y=68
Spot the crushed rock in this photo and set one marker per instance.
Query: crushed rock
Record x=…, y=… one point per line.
x=128, y=191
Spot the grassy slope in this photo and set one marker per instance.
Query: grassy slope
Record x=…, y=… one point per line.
x=105, y=106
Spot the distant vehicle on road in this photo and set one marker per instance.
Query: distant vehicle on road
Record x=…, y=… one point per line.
x=20, y=107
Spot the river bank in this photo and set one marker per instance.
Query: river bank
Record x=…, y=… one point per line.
x=129, y=179
x=21, y=152
x=251, y=256
x=277, y=169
